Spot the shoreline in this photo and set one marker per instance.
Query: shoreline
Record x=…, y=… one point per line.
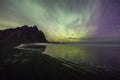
x=20, y=64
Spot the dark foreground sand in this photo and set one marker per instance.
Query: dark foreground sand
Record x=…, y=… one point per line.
x=33, y=65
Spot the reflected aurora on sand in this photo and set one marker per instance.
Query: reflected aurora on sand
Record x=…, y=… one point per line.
x=71, y=53
x=97, y=55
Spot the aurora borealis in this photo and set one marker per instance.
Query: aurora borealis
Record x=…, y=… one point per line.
x=64, y=20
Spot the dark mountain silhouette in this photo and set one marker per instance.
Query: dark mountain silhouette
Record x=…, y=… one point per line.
x=24, y=34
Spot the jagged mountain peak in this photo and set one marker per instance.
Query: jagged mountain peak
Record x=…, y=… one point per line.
x=23, y=34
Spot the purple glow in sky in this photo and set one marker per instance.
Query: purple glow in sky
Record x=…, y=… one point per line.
x=109, y=25
x=61, y=20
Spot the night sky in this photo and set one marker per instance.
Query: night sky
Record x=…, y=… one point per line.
x=64, y=20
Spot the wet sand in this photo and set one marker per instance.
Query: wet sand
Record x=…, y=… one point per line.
x=18, y=64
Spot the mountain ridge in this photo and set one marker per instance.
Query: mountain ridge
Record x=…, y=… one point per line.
x=23, y=34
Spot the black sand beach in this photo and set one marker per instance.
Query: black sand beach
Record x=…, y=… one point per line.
x=16, y=64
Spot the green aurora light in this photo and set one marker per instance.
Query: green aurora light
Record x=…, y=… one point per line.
x=60, y=20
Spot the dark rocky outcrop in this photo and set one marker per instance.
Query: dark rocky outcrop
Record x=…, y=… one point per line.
x=24, y=34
